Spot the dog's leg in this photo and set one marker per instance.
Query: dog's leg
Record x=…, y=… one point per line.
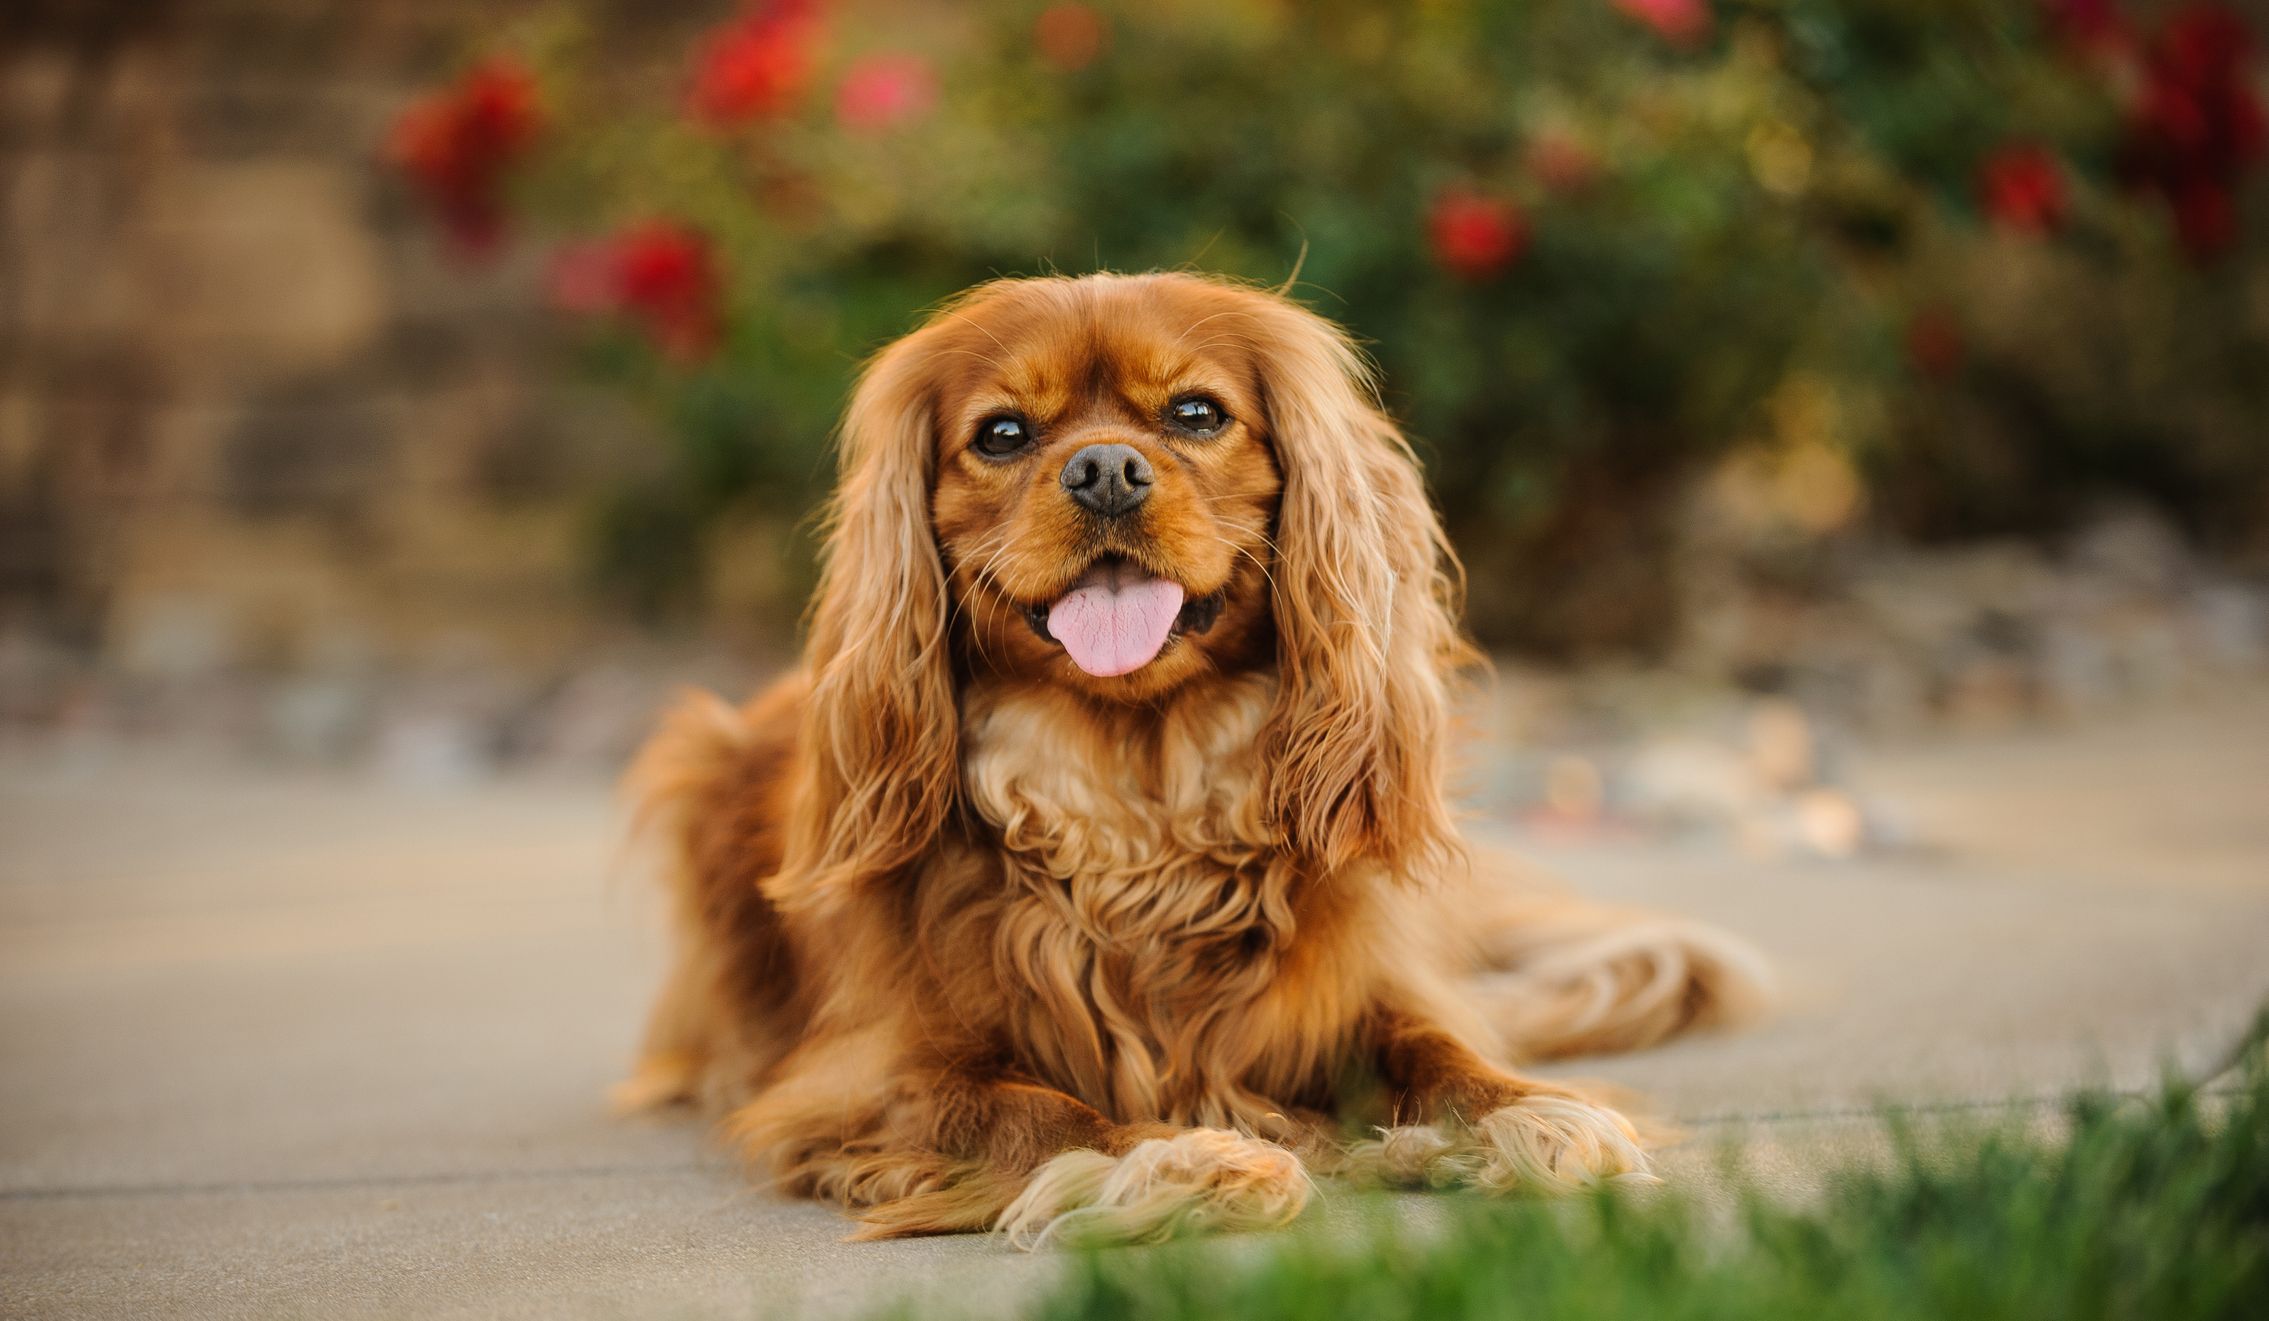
x=1557, y=976
x=1467, y=1121
x=958, y=1152
x=675, y=1053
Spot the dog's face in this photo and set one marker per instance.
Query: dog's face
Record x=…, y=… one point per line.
x=1105, y=483
x=1114, y=486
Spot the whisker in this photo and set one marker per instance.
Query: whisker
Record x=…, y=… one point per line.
x=986, y=358
x=1267, y=574
x=993, y=544
x=1242, y=341
x=1232, y=311
x=983, y=575
x=965, y=317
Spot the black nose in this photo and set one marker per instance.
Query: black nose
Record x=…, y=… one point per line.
x=1109, y=479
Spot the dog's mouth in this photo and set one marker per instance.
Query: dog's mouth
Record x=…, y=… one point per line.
x=1118, y=617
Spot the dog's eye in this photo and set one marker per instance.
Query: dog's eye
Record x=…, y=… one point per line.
x=1000, y=437
x=1196, y=415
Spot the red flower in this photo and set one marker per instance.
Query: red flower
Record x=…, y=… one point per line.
x=755, y=65
x=1679, y=22
x=457, y=144
x=883, y=91
x=1934, y=342
x=2090, y=27
x=660, y=274
x=1475, y=237
x=2198, y=125
x=2022, y=187
x=2205, y=218
x=1070, y=36
x=2203, y=44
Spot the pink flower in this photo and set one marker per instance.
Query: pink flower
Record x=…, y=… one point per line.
x=660, y=274
x=1070, y=36
x=458, y=144
x=882, y=92
x=583, y=280
x=1679, y=22
x=2022, y=188
x=1475, y=237
x=1562, y=164
x=754, y=66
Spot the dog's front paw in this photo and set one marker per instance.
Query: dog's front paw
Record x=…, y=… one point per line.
x=661, y=1079
x=1545, y=1142
x=1550, y=1142
x=1199, y=1179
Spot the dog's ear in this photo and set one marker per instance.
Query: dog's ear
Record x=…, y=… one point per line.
x=1366, y=601
x=877, y=747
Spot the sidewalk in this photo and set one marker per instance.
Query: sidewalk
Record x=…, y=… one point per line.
x=278, y=1046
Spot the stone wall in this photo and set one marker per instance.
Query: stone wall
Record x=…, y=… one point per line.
x=253, y=418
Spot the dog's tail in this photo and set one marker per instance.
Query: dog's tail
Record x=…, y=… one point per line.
x=700, y=738
x=1558, y=976
x=712, y=1028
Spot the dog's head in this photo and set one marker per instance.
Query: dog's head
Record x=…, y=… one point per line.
x=1120, y=486
x=1104, y=486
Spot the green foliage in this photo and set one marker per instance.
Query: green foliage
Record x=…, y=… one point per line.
x=1699, y=229
x=2156, y=1210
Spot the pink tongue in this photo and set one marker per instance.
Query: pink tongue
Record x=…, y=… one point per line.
x=1113, y=623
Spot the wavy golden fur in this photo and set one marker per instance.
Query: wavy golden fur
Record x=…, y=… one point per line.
x=975, y=931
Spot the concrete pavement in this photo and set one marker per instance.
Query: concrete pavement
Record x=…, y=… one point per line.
x=280, y=1044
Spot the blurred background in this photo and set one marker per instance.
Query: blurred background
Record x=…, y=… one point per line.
x=433, y=386
x=1854, y=416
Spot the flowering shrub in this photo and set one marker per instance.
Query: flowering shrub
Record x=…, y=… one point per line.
x=1473, y=236
x=1679, y=22
x=1986, y=255
x=882, y=92
x=457, y=144
x=754, y=66
x=2023, y=188
x=660, y=276
x=2198, y=125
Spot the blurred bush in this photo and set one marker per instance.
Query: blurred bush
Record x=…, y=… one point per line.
x=1935, y=268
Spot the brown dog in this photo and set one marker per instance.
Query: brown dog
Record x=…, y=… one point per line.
x=1096, y=868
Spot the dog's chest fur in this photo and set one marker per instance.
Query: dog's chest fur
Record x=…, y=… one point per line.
x=1144, y=919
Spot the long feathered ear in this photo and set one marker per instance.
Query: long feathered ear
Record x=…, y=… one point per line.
x=1366, y=599
x=877, y=746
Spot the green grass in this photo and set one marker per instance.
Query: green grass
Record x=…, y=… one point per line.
x=2150, y=1208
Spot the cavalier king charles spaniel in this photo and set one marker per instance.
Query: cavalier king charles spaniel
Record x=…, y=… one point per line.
x=1095, y=876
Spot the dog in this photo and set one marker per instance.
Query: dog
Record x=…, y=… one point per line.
x=1095, y=876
